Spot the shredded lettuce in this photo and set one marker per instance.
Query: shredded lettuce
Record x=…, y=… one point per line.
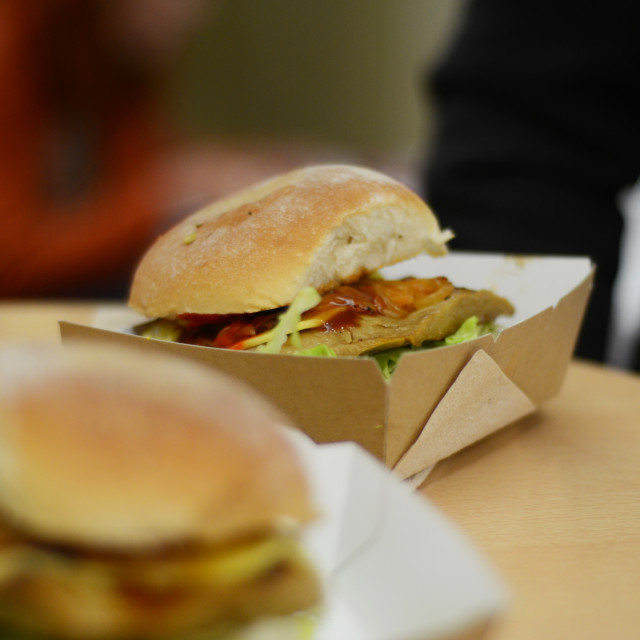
x=288, y=322
x=161, y=329
x=388, y=360
x=470, y=329
x=302, y=625
x=321, y=350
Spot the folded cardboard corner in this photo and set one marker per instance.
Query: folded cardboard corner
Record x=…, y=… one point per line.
x=480, y=401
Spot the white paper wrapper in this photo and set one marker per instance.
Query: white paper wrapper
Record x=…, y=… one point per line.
x=395, y=567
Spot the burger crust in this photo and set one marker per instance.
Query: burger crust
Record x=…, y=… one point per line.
x=317, y=226
x=113, y=448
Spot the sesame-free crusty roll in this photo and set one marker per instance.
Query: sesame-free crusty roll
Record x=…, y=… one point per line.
x=318, y=227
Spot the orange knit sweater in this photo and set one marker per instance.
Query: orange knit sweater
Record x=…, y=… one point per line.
x=53, y=245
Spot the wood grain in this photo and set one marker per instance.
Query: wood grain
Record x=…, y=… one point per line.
x=554, y=502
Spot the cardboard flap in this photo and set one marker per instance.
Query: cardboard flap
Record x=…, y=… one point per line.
x=480, y=401
x=322, y=396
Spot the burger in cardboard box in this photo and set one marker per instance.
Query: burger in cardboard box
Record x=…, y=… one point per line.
x=330, y=290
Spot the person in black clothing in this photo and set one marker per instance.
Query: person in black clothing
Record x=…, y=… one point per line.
x=537, y=134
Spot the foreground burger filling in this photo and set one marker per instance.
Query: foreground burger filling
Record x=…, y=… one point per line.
x=169, y=589
x=362, y=318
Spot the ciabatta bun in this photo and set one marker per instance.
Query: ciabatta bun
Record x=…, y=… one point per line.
x=319, y=226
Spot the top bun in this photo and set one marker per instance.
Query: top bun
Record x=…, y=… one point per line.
x=318, y=226
x=110, y=448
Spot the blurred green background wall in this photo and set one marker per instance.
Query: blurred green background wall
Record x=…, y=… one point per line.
x=344, y=73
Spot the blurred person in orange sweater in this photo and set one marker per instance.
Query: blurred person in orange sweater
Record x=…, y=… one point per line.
x=79, y=134
x=90, y=171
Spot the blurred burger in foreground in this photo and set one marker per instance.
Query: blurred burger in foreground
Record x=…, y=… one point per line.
x=143, y=497
x=289, y=265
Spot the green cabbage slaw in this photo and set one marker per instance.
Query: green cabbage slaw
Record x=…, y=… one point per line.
x=289, y=321
x=470, y=329
x=388, y=360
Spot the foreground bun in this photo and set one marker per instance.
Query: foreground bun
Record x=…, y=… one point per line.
x=143, y=495
x=318, y=226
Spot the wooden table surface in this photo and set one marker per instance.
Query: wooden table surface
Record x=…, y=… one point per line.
x=552, y=500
